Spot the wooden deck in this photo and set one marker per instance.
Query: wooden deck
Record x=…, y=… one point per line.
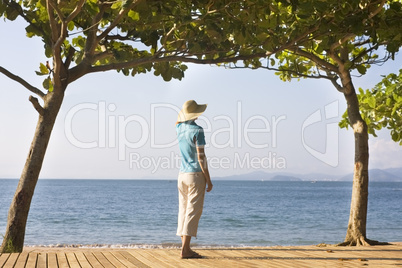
x=302, y=256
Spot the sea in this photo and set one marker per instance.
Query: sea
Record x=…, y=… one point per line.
x=143, y=213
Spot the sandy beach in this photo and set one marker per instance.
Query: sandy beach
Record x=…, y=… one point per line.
x=278, y=256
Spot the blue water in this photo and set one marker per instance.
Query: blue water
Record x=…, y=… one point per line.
x=236, y=213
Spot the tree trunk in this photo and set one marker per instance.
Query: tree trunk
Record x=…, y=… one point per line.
x=18, y=214
x=356, y=232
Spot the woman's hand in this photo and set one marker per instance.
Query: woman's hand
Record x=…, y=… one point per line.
x=209, y=186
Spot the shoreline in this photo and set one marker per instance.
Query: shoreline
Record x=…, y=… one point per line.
x=68, y=248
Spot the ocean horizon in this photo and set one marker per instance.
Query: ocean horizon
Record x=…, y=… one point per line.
x=143, y=213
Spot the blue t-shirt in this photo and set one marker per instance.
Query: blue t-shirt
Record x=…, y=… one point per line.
x=190, y=136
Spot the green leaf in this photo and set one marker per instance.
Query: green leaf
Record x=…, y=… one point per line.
x=371, y=102
x=70, y=26
x=48, y=84
x=11, y=13
x=32, y=30
x=117, y=4
x=395, y=136
x=135, y=16
x=43, y=69
x=361, y=69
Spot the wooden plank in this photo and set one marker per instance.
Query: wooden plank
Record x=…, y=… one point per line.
x=285, y=263
x=211, y=253
x=138, y=262
x=137, y=254
x=184, y=262
x=156, y=259
x=112, y=259
x=3, y=258
x=122, y=259
x=62, y=260
x=246, y=263
x=11, y=260
x=32, y=260
x=302, y=263
x=72, y=260
x=173, y=257
x=210, y=259
x=217, y=257
x=250, y=253
x=308, y=254
x=82, y=260
x=239, y=255
x=218, y=262
x=42, y=260
x=52, y=260
x=92, y=260
x=102, y=259
x=21, y=261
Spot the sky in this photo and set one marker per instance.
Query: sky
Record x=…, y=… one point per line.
x=115, y=127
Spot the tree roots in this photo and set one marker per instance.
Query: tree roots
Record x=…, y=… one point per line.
x=362, y=241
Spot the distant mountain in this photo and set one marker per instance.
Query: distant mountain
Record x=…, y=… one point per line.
x=252, y=176
x=395, y=171
x=284, y=178
x=378, y=175
x=318, y=177
x=262, y=176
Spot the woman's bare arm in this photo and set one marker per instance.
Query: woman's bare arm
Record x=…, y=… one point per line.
x=202, y=159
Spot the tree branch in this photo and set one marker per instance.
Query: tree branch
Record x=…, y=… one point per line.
x=116, y=20
x=102, y=56
x=36, y=105
x=69, y=57
x=340, y=42
x=378, y=9
x=52, y=21
x=22, y=82
x=58, y=11
x=92, y=41
x=343, y=73
x=334, y=82
x=65, y=21
x=314, y=58
x=300, y=75
x=368, y=52
x=76, y=11
x=80, y=70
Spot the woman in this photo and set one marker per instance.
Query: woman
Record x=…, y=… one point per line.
x=193, y=176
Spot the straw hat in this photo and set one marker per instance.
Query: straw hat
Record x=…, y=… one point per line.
x=191, y=110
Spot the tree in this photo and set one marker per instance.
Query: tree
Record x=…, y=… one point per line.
x=352, y=32
x=132, y=37
x=381, y=107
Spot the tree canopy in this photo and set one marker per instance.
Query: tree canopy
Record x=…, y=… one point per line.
x=135, y=37
x=353, y=34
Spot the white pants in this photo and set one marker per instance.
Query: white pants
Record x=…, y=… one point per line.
x=191, y=201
